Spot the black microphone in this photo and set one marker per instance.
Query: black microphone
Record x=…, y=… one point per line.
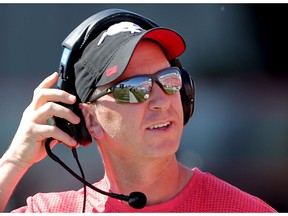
x=136, y=200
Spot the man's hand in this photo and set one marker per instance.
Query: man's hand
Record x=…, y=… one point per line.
x=28, y=145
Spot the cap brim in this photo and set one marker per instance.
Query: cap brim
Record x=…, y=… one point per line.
x=172, y=43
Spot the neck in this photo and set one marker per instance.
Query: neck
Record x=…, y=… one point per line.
x=159, y=179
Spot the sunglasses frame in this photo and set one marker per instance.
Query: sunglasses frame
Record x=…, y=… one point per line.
x=154, y=77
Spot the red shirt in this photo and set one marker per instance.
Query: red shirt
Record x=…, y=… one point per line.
x=204, y=193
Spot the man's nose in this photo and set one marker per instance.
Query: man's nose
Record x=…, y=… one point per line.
x=158, y=98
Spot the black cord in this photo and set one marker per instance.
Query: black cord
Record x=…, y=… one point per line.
x=135, y=199
x=130, y=199
x=55, y=158
x=83, y=177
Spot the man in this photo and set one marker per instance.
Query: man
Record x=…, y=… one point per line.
x=136, y=117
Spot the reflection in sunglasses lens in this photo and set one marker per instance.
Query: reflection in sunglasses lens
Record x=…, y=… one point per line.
x=137, y=89
x=134, y=90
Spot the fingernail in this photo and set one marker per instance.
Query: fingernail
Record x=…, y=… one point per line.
x=71, y=97
x=77, y=145
x=77, y=120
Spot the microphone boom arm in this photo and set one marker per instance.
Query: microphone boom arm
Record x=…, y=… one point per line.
x=136, y=199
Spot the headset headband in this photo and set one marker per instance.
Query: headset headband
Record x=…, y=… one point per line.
x=94, y=25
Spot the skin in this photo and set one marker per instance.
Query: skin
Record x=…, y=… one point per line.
x=27, y=146
x=135, y=157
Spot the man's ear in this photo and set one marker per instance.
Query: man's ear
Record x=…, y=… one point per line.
x=91, y=120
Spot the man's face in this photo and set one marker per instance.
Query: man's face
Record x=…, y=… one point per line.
x=150, y=129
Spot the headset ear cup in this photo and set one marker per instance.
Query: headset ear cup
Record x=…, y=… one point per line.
x=187, y=95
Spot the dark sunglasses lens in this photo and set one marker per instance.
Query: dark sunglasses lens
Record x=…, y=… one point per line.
x=134, y=90
x=171, y=80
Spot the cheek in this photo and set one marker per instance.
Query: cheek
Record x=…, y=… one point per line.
x=110, y=122
x=117, y=121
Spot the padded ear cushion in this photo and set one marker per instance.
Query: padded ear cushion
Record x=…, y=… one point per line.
x=187, y=91
x=187, y=95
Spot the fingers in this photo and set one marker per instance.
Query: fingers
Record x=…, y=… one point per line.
x=45, y=95
x=45, y=105
x=55, y=133
x=28, y=144
x=50, y=109
x=48, y=82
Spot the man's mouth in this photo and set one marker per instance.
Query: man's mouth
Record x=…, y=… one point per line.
x=160, y=126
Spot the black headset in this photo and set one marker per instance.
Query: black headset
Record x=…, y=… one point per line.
x=75, y=43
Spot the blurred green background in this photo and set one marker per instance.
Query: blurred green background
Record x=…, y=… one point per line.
x=237, y=55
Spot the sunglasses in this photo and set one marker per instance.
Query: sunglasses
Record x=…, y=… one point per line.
x=138, y=88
